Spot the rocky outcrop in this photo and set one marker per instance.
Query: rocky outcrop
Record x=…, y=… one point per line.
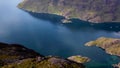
x=116, y=65
x=18, y=56
x=111, y=45
x=79, y=59
x=95, y=11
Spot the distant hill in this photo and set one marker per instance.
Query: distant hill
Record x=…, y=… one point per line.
x=95, y=11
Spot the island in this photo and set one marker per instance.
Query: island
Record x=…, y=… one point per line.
x=18, y=56
x=94, y=11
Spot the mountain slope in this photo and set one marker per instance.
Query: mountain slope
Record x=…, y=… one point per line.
x=18, y=56
x=95, y=11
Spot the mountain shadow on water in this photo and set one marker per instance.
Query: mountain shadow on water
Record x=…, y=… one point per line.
x=77, y=24
x=45, y=16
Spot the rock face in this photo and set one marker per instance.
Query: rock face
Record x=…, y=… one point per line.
x=17, y=56
x=111, y=45
x=116, y=65
x=95, y=11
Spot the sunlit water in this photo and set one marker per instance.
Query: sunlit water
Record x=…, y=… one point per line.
x=47, y=38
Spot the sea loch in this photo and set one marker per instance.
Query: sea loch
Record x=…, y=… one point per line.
x=53, y=38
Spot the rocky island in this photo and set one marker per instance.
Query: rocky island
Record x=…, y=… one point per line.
x=18, y=56
x=95, y=11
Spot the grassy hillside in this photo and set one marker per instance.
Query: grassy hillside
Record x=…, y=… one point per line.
x=111, y=45
x=95, y=11
x=49, y=62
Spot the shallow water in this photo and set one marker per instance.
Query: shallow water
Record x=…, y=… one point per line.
x=49, y=38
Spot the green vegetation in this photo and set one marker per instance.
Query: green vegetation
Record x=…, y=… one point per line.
x=10, y=53
x=79, y=59
x=111, y=45
x=95, y=11
x=52, y=62
x=17, y=56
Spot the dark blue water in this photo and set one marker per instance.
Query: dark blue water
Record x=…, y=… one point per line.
x=49, y=38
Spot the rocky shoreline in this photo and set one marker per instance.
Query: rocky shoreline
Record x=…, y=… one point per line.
x=116, y=65
x=18, y=56
x=110, y=45
x=94, y=11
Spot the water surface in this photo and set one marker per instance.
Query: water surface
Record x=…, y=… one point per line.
x=49, y=38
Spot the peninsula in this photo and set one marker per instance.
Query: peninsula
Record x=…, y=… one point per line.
x=111, y=45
